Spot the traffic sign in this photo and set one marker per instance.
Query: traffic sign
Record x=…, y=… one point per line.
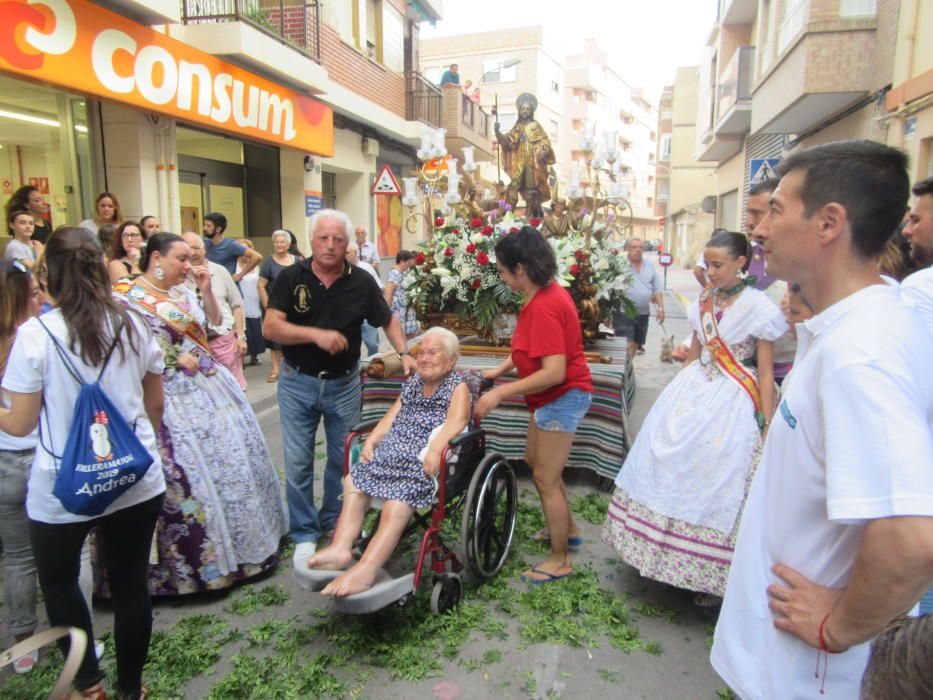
x=762, y=170
x=385, y=182
x=665, y=260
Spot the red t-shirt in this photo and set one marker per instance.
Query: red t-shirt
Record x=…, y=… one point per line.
x=549, y=325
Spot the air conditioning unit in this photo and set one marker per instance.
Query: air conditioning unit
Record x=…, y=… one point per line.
x=370, y=147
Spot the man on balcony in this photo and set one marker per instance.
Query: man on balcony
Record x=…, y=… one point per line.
x=451, y=75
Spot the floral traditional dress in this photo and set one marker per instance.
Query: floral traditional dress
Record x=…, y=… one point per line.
x=675, y=511
x=224, y=515
x=396, y=471
x=405, y=314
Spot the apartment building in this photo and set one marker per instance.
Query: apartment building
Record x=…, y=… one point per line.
x=665, y=132
x=781, y=74
x=690, y=219
x=599, y=97
x=264, y=110
x=502, y=64
x=909, y=103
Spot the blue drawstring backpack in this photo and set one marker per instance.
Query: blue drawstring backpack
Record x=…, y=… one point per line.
x=103, y=458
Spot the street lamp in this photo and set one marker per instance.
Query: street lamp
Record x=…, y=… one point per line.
x=508, y=63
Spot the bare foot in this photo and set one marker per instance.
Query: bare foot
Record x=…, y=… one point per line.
x=331, y=559
x=356, y=580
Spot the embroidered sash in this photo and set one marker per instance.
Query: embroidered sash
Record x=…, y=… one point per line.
x=722, y=353
x=169, y=311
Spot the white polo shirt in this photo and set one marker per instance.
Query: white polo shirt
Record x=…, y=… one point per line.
x=851, y=441
x=918, y=290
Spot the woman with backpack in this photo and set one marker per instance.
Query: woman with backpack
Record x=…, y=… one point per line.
x=89, y=346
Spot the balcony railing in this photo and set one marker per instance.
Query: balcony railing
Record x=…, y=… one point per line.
x=473, y=116
x=422, y=99
x=735, y=82
x=794, y=22
x=296, y=23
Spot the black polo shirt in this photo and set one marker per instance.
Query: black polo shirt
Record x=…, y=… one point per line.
x=351, y=299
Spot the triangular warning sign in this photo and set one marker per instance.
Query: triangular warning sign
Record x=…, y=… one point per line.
x=386, y=182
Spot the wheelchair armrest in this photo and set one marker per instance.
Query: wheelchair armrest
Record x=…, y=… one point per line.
x=365, y=427
x=469, y=436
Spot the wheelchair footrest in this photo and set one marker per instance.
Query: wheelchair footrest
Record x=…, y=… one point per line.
x=312, y=579
x=385, y=592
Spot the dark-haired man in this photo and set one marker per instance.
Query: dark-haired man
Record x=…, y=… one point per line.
x=918, y=287
x=451, y=76
x=836, y=538
x=225, y=251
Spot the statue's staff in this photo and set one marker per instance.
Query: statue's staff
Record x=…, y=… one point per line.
x=495, y=113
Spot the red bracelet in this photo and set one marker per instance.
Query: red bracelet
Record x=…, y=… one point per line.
x=822, y=638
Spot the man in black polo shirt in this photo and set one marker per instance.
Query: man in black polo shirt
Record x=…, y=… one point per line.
x=315, y=311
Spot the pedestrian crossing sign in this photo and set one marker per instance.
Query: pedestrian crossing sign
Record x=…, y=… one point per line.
x=385, y=182
x=762, y=169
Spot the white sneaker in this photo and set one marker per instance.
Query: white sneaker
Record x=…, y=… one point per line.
x=304, y=551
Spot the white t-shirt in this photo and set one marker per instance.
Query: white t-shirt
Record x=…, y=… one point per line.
x=851, y=441
x=225, y=292
x=17, y=250
x=34, y=365
x=918, y=290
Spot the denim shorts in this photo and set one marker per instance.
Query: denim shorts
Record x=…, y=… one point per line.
x=564, y=414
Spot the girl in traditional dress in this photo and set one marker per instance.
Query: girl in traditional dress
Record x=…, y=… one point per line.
x=224, y=514
x=675, y=511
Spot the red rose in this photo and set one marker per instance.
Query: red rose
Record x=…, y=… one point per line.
x=486, y=230
x=439, y=221
x=514, y=229
x=471, y=248
x=475, y=284
x=574, y=270
x=455, y=230
x=419, y=259
x=476, y=222
x=482, y=259
x=580, y=255
x=534, y=222
x=448, y=252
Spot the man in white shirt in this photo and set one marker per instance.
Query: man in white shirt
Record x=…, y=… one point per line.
x=368, y=252
x=228, y=338
x=837, y=535
x=918, y=287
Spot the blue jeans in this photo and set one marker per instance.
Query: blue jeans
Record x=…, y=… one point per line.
x=370, y=338
x=20, y=578
x=563, y=414
x=303, y=401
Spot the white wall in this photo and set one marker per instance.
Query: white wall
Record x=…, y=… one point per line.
x=354, y=171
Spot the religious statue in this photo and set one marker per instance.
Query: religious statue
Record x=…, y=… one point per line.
x=557, y=223
x=527, y=151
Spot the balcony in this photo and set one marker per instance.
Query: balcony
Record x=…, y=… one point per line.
x=737, y=11
x=822, y=65
x=422, y=99
x=735, y=93
x=467, y=124
x=296, y=23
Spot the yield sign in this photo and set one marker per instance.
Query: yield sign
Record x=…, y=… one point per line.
x=386, y=183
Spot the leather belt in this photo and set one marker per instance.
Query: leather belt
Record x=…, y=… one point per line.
x=324, y=375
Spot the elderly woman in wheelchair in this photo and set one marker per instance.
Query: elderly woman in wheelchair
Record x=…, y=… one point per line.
x=399, y=463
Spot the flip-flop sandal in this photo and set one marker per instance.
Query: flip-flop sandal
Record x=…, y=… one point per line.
x=272, y=378
x=539, y=581
x=573, y=543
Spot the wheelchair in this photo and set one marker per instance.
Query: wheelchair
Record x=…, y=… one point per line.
x=475, y=488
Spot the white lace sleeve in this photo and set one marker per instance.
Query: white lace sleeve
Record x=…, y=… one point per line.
x=769, y=321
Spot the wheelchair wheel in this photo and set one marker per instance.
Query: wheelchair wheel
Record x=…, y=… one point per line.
x=488, y=520
x=446, y=594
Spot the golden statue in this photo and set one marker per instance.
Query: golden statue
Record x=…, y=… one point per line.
x=527, y=151
x=557, y=223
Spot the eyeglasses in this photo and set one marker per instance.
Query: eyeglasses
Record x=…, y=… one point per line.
x=130, y=234
x=433, y=352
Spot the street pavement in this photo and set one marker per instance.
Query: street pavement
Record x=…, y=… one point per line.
x=510, y=667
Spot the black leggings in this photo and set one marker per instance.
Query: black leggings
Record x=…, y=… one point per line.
x=127, y=537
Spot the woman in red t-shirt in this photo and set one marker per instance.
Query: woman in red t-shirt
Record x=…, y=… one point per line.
x=547, y=351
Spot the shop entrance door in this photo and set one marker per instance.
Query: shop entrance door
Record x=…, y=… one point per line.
x=207, y=186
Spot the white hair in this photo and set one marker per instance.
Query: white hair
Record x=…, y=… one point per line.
x=450, y=341
x=339, y=216
x=352, y=247
x=280, y=233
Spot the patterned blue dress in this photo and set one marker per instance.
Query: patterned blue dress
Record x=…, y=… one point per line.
x=405, y=314
x=395, y=472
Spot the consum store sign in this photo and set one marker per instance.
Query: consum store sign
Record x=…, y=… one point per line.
x=81, y=47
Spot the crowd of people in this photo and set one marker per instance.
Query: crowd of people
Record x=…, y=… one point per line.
x=784, y=473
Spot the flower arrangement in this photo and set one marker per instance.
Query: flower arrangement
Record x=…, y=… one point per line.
x=455, y=272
